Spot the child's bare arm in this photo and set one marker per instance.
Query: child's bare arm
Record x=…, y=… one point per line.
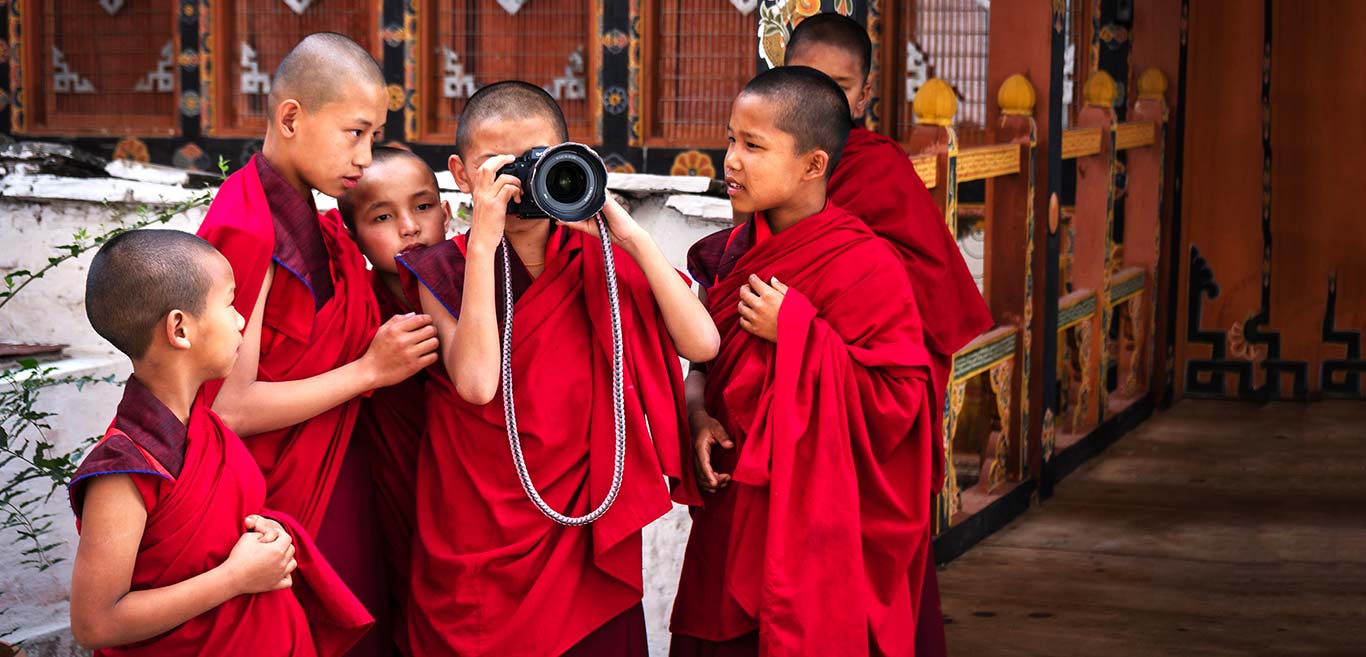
x=686, y=318
x=403, y=346
x=105, y=613
x=474, y=354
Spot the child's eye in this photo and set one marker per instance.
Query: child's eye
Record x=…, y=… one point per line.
x=730, y=139
x=423, y=207
x=355, y=133
x=752, y=146
x=383, y=217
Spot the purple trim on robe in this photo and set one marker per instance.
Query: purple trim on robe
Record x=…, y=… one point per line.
x=299, y=246
x=441, y=269
x=146, y=423
x=711, y=258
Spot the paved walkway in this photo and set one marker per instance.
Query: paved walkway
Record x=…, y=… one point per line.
x=1215, y=528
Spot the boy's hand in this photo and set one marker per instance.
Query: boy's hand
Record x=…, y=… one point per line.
x=257, y=567
x=402, y=347
x=759, y=305
x=268, y=529
x=491, y=193
x=626, y=233
x=706, y=432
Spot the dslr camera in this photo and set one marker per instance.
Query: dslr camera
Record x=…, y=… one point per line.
x=567, y=182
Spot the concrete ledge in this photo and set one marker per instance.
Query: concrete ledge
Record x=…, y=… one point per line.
x=49, y=641
x=47, y=187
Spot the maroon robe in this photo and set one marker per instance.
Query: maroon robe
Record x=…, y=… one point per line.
x=812, y=543
x=199, y=484
x=319, y=315
x=491, y=574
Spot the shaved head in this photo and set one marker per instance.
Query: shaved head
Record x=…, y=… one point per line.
x=139, y=277
x=320, y=68
x=834, y=30
x=503, y=101
x=380, y=155
x=809, y=106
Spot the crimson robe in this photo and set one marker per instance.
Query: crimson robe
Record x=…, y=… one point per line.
x=199, y=484
x=320, y=314
x=812, y=543
x=393, y=423
x=491, y=574
x=876, y=182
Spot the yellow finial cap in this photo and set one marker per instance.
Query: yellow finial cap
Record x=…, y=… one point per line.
x=1100, y=90
x=1152, y=84
x=935, y=103
x=1016, y=96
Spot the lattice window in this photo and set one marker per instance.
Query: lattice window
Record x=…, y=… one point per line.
x=467, y=44
x=100, y=67
x=698, y=55
x=249, y=39
x=947, y=39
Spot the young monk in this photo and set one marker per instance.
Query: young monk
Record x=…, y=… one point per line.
x=313, y=342
x=178, y=554
x=396, y=206
x=493, y=575
x=876, y=182
x=813, y=437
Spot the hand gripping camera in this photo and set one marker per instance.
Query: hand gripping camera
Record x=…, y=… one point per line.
x=566, y=182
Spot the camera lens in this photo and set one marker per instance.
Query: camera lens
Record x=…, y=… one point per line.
x=566, y=182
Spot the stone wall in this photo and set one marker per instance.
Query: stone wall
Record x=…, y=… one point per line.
x=39, y=212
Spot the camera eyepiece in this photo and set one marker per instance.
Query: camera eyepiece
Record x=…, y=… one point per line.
x=567, y=182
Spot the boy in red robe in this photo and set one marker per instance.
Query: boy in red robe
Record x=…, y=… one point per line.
x=492, y=573
x=178, y=553
x=876, y=182
x=819, y=400
x=313, y=342
x=396, y=206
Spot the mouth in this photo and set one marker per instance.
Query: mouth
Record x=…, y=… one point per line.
x=733, y=187
x=350, y=182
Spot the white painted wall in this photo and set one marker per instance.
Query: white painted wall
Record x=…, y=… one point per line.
x=38, y=213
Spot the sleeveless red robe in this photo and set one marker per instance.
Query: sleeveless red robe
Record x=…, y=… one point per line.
x=491, y=574
x=393, y=424
x=812, y=543
x=199, y=484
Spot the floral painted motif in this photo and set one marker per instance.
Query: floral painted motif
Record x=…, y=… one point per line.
x=397, y=97
x=693, y=163
x=132, y=148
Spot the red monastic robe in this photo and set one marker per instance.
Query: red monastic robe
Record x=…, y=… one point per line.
x=491, y=574
x=199, y=484
x=812, y=543
x=393, y=424
x=876, y=182
x=320, y=314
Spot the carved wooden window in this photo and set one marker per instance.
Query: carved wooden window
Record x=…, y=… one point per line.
x=947, y=39
x=250, y=37
x=698, y=54
x=467, y=44
x=104, y=67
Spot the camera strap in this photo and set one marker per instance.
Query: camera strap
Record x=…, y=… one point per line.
x=618, y=399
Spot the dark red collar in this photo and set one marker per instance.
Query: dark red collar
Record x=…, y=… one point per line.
x=299, y=246
x=150, y=424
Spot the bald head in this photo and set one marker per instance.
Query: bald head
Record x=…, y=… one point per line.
x=511, y=100
x=320, y=68
x=137, y=278
x=808, y=105
x=381, y=156
x=833, y=30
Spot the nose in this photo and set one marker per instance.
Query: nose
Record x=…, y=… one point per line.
x=732, y=161
x=407, y=225
x=241, y=321
x=362, y=156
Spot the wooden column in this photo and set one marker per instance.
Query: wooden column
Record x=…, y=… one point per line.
x=1091, y=223
x=1143, y=214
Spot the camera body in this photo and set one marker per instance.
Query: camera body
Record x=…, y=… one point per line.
x=567, y=182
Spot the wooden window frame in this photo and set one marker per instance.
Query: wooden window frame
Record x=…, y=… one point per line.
x=39, y=96
x=428, y=73
x=650, y=57
x=222, y=121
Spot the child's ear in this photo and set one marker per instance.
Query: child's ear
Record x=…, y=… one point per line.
x=865, y=97
x=462, y=177
x=287, y=117
x=178, y=329
x=445, y=216
x=817, y=162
